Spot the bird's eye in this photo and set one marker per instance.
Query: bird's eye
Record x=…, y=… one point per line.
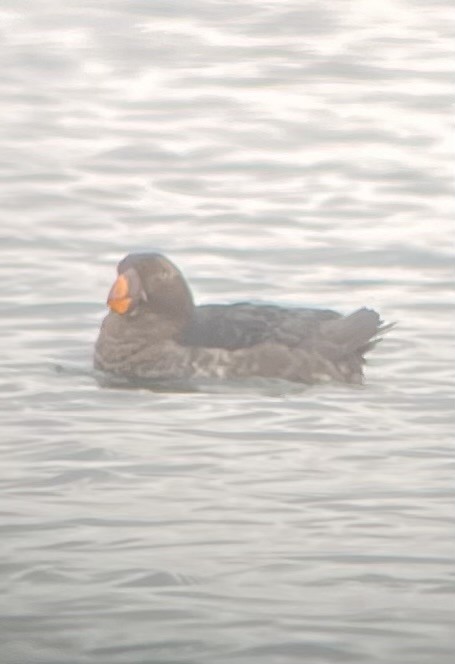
x=165, y=275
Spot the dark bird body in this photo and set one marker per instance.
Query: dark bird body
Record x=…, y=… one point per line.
x=154, y=331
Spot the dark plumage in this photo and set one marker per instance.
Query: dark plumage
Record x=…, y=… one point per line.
x=154, y=331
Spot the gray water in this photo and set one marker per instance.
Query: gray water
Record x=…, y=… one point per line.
x=290, y=152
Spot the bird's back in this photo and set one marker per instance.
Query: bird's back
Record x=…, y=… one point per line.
x=244, y=325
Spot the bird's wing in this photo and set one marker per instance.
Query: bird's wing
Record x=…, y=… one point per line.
x=244, y=325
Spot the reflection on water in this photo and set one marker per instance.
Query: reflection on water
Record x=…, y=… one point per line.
x=293, y=153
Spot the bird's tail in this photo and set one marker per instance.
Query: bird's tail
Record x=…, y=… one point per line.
x=357, y=333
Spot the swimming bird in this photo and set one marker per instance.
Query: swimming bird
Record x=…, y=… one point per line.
x=155, y=331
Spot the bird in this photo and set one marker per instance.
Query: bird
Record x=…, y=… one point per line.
x=155, y=332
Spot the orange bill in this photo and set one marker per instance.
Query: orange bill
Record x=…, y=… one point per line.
x=119, y=299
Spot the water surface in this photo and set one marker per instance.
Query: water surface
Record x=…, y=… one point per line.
x=293, y=153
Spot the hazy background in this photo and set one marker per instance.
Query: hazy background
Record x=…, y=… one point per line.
x=291, y=151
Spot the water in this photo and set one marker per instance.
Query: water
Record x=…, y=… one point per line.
x=287, y=152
